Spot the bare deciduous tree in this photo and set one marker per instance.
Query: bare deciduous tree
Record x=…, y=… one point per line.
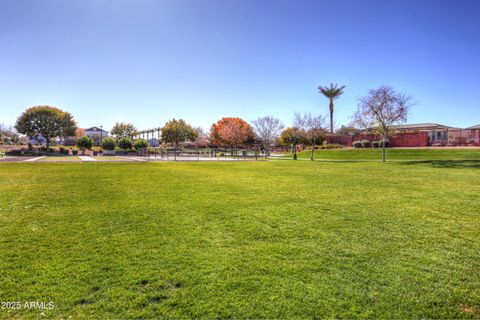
x=268, y=130
x=380, y=109
x=202, y=137
x=313, y=126
x=8, y=134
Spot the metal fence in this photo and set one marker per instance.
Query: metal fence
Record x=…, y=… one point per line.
x=453, y=137
x=197, y=154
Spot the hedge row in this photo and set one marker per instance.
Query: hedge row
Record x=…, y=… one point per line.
x=372, y=144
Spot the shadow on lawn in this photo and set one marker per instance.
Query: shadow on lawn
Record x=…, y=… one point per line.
x=467, y=164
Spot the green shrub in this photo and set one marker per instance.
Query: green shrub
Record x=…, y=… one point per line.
x=108, y=144
x=375, y=144
x=74, y=152
x=387, y=143
x=365, y=143
x=331, y=146
x=357, y=144
x=84, y=143
x=141, y=144
x=125, y=144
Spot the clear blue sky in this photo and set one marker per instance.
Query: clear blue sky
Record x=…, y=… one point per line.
x=146, y=61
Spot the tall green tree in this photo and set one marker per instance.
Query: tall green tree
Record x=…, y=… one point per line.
x=332, y=93
x=124, y=130
x=293, y=136
x=69, y=125
x=177, y=132
x=46, y=121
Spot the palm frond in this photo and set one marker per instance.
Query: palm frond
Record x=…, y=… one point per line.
x=331, y=92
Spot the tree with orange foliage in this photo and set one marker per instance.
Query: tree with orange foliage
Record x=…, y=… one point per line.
x=231, y=132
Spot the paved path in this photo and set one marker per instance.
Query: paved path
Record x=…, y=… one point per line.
x=134, y=158
x=34, y=159
x=86, y=158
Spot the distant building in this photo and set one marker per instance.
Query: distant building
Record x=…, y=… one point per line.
x=37, y=140
x=418, y=135
x=437, y=133
x=95, y=131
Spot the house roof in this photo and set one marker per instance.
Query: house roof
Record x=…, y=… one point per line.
x=473, y=127
x=94, y=129
x=421, y=126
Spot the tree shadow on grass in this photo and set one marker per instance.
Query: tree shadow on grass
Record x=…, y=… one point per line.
x=455, y=164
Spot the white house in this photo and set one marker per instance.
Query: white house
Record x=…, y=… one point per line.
x=96, y=132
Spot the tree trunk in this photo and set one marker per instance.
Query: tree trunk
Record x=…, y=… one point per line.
x=331, y=115
x=47, y=140
x=294, y=152
x=383, y=147
x=313, y=149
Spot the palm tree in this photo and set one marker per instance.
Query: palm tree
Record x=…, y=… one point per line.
x=333, y=93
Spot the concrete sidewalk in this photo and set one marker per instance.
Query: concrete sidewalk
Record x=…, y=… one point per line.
x=86, y=158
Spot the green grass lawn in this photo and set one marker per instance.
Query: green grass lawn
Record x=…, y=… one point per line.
x=276, y=239
x=393, y=154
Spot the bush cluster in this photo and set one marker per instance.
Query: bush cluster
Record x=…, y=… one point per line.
x=367, y=144
x=331, y=146
x=85, y=143
x=140, y=144
x=380, y=143
x=108, y=144
x=125, y=144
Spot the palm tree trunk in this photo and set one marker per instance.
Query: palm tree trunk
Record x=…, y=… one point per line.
x=331, y=115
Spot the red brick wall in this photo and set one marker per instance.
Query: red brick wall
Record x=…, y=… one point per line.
x=408, y=139
x=343, y=140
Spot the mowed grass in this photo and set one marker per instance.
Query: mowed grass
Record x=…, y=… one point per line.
x=276, y=239
x=393, y=154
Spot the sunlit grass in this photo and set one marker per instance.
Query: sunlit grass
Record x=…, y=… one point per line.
x=276, y=239
x=393, y=154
